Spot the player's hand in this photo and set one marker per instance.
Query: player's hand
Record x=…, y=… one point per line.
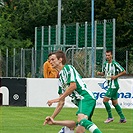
x=49, y=102
x=98, y=73
x=46, y=120
x=113, y=77
x=50, y=121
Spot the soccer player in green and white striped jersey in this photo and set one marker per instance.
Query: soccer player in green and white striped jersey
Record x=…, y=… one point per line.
x=71, y=84
x=112, y=70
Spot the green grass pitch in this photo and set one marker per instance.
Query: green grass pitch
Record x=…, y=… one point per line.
x=30, y=120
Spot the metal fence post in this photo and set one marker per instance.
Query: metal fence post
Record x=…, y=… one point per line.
x=23, y=58
x=114, y=39
x=95, y=45
x=35, y=49
x=64, y=36
x=21, y=72
x=33, y=64
x=49, y=37
x=42, y=46
x=104, y=40
x=86, y=27
x=77, y=34
x=14, y=61
x=126, y=61
x=56, y=36
x=7, y=62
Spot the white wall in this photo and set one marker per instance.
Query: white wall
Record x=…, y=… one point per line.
x=39, y=91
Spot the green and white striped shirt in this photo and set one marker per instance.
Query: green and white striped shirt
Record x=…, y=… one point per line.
x=69, y=74
x=110, y=69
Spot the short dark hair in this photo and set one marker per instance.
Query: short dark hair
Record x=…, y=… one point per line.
x=109, y=51
x=60, y=54
x=50, y=54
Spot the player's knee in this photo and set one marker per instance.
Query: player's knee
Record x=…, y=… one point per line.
x=82, y=116
x=114, y=102
x=105, y=99
x=80, y=129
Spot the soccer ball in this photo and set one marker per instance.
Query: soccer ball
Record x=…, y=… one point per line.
x=66, y=130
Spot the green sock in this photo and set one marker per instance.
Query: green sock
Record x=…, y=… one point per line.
x=89, y=126
x=97, y=131
x=108, y=109
x=119, y=111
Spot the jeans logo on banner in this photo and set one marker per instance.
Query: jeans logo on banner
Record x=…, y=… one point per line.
x=103, y=85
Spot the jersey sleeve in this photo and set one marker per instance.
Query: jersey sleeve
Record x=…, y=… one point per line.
x=60, y=90
x=119, y=67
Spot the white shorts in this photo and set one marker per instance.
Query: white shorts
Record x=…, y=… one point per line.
x=66, y=130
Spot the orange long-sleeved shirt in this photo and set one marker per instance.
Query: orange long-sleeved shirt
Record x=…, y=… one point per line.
x=48, y=71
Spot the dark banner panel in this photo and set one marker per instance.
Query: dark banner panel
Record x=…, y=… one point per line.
x=1, y=98
x=14, y=89
x=0, y=94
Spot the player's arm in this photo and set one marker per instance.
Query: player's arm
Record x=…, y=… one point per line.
x=100, y=73
x=68, y=91
x=55, y=113
x=58, y=108
x=118, y=75
x=69, y=123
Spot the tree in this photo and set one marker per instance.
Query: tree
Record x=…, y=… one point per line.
x=122, y=11
x=25, y=15
x=9, y=35
x=76, y=11
x=29, y=14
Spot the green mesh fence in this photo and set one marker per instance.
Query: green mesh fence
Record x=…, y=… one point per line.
x=99, y=35
x=39, y=37
x=109, y=35
x=81, y=37
x=70, y=36
x=74, y=35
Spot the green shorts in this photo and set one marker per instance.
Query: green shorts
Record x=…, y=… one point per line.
x=112, y=93
x=86, y=107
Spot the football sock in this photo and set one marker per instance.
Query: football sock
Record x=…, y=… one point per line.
x=89, y=126
x=119, y=111
x=108, y=109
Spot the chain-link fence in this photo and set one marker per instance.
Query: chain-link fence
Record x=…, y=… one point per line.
x=17, y=63
x=81, y=59
x=29, y=62
x=125, y=58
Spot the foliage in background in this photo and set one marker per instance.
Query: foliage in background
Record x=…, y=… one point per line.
x=18, y=19
x=122, y=11
x=9, y=33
